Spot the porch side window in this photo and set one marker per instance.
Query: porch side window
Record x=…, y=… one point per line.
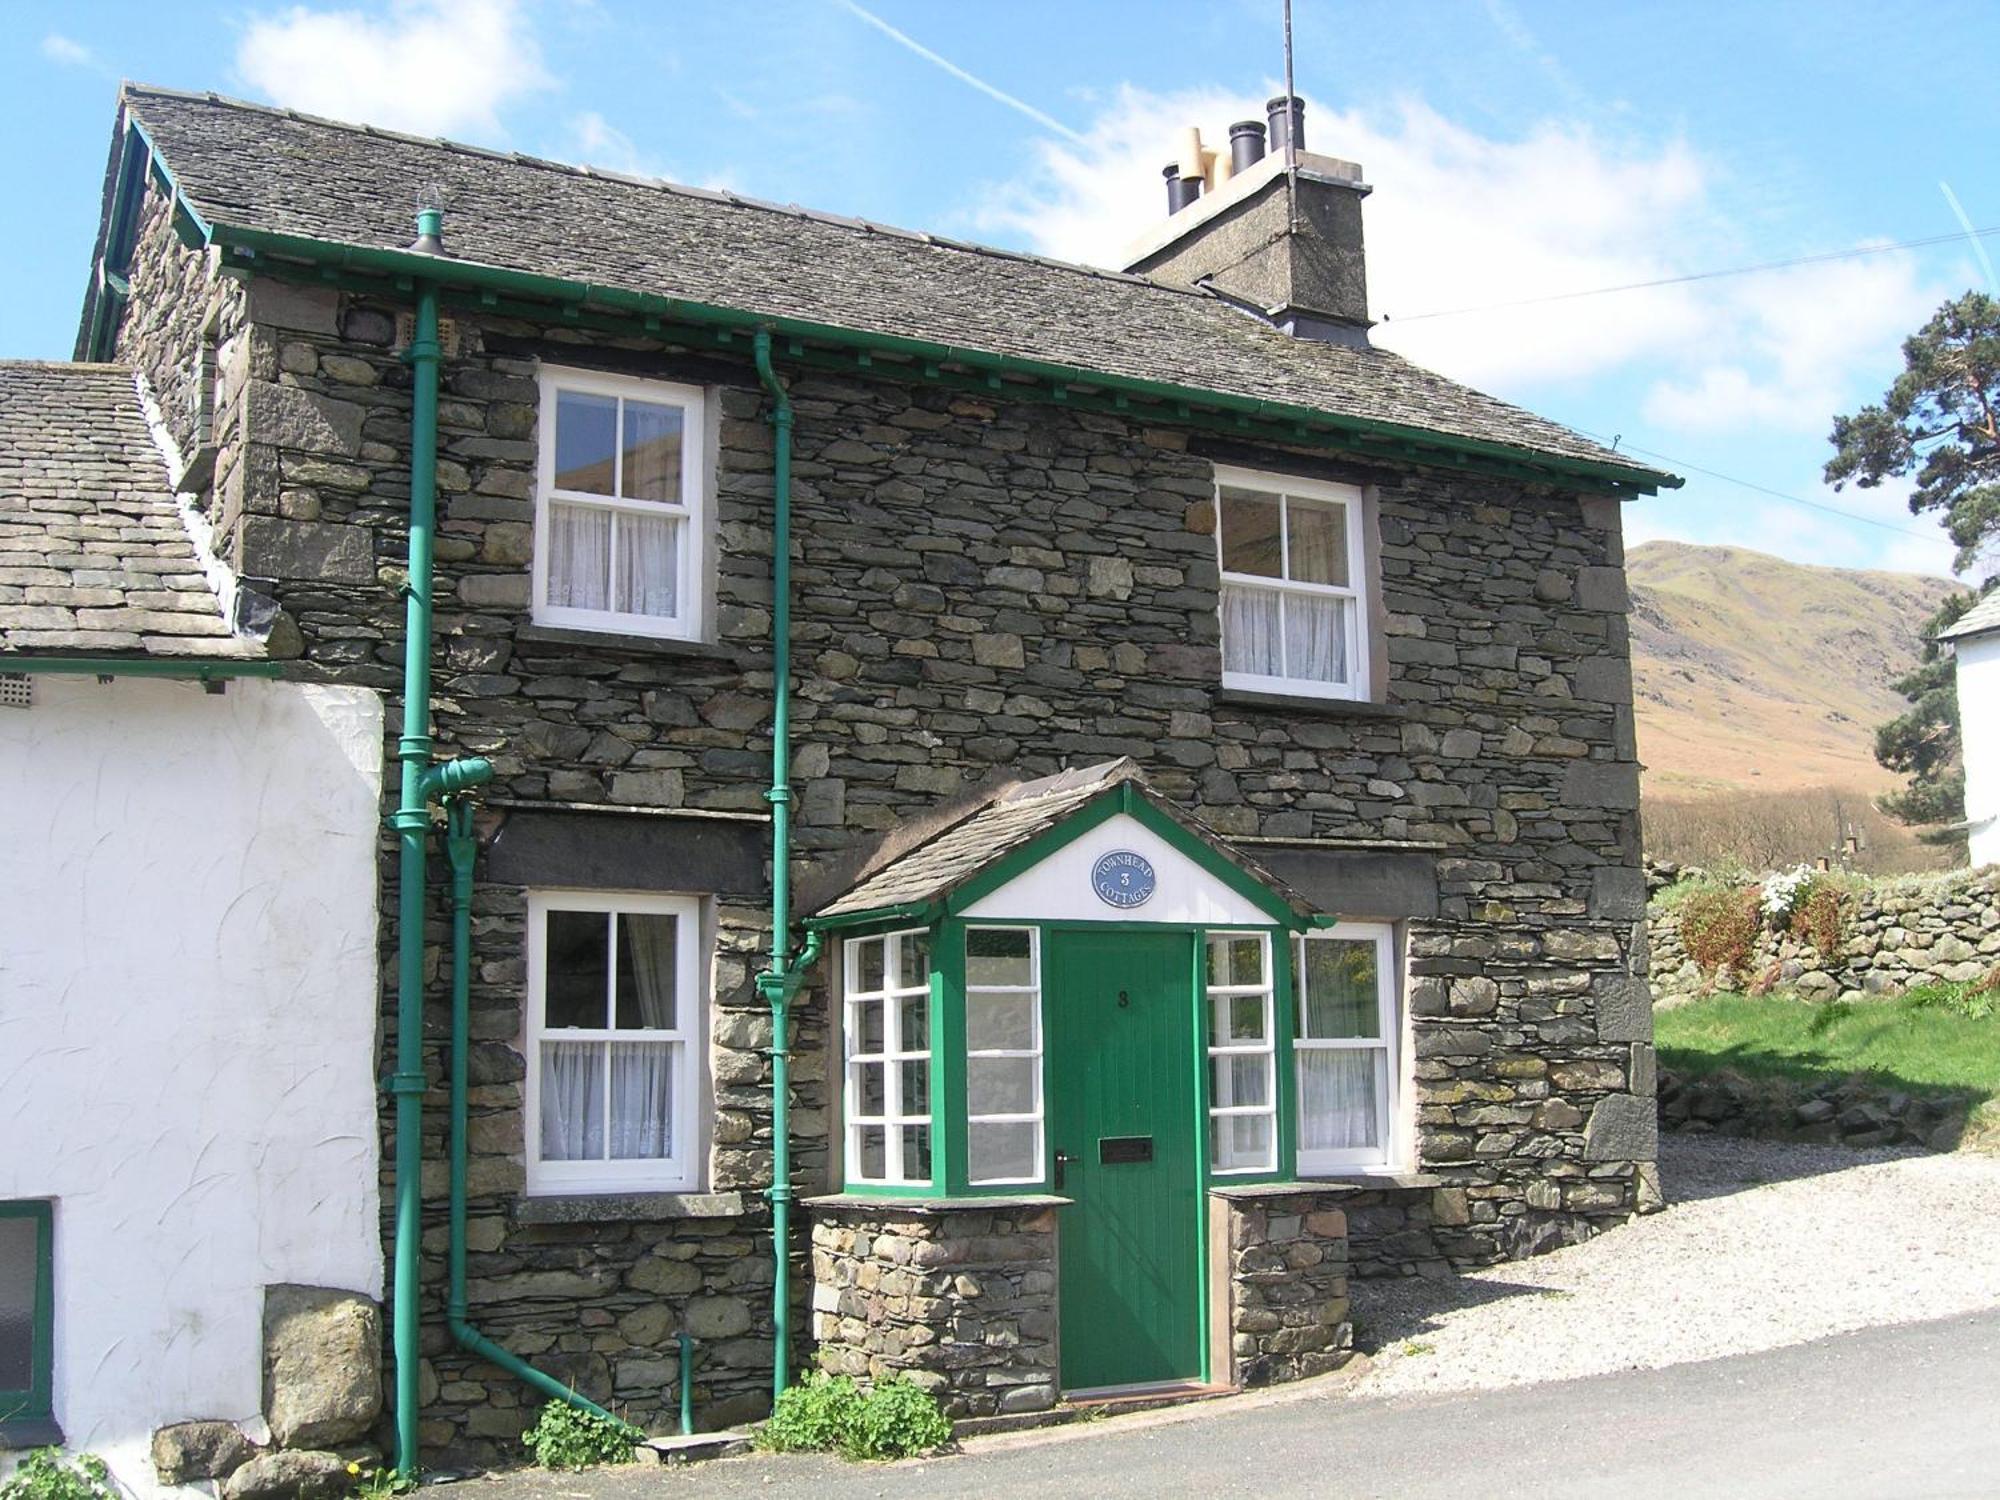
x=614, y=1025
x=1003, y=1054
x=1344, y=1048
x=1242, y=1096
x=888, y=1047
x=27, y=1321
x=620, y=505
x=1294, y=600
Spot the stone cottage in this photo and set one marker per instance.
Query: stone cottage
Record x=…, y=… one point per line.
x=1004, y=820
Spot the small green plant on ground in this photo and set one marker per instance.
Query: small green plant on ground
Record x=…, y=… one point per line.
x=47, y=1474
x=1417, y=1346
x=568, y=1437
x=829, y=1413
x=1943, y=1038
x=379, y=1483
x=1718, y=926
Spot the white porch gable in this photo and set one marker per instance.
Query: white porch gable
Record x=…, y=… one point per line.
x=1062, y=888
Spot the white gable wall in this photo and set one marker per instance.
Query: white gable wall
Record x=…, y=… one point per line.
x=1979, y=725
x=1059, y=888
x=188, y=992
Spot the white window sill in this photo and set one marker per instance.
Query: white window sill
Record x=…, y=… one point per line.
x=614, y=640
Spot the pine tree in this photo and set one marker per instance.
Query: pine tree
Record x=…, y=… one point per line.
x=1937, y=426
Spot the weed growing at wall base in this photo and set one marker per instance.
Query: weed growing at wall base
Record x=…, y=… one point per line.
x=46, y=1474
x=828, y=1413
x=568, y=1437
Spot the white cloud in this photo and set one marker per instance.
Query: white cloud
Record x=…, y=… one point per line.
x=434, y=67
x=1462, y=220
x=596, y=142
x=58, y=48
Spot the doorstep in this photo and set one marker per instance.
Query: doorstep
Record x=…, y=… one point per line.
x=1093, y=1405
x=693, y=1447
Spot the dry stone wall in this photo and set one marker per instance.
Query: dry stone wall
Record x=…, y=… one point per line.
x=983, y=587
x=960, y=1300
x=1896, y=933
x=1287, y=1285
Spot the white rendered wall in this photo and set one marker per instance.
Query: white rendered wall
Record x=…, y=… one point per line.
x=1059, y=889
x=187, y=1028
x=1979, y=726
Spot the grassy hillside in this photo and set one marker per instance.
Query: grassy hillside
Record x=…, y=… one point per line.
x=1754, y=674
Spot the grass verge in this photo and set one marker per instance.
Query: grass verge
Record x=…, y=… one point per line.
x=1940, y=1038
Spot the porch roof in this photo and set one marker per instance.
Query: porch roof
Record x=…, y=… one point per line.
x=1006, y=821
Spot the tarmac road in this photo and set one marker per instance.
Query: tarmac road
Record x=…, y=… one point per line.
x=1910, y=1410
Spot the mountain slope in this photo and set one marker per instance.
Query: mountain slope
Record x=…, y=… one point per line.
x=1754, y=673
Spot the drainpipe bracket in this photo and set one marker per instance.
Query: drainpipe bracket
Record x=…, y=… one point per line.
x=406, y=1083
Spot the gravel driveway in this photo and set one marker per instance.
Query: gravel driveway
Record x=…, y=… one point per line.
x=1763, y=1245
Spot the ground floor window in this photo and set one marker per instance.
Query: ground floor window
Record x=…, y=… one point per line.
x=1345, y=1047
x=1003, y=1055
x=614, y=1034
x=887, y=1034
x=27, y=1314
x=1242, y=1097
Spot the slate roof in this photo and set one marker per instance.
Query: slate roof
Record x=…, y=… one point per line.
x=94, y=556
x=1981, y=618
x=1011, y=817
x=251, y=167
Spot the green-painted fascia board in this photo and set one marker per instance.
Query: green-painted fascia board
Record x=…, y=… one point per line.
x=1125, y=797
x=923, y=914
x=190, y=669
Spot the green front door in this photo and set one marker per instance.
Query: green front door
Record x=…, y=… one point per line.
x=1121, y=1074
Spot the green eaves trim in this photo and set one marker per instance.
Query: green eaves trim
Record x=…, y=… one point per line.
x=192, y=669
x=922, y=914
x=1158, y=400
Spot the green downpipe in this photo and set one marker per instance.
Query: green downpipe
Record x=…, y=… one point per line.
x=412, y=824
x=461, y=850
x=780, y=982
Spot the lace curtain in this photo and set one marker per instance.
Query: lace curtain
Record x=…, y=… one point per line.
x=639, y=1074
x=1337, y=1098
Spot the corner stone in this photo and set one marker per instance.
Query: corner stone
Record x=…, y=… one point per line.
x=199, y=1450
x=1622, y=1128
x=322, y=1365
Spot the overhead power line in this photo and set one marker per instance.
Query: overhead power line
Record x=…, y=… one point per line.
x=1641, y=286
x=1765, y=489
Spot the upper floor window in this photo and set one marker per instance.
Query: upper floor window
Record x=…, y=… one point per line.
x=1345, y=1048
x=621, y=505
x=614, y=1043
x=1294, y=597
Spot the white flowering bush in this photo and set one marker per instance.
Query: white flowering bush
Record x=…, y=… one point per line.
x=1783, y=893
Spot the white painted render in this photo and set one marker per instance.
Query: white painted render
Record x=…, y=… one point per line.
x=1979, y=728
x=1059, y=888
x=187, y=1028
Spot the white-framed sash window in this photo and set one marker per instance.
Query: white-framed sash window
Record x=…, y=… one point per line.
x=1003, y=1054
x=1345, y=1049
x=1294, y=596
x=613, y=1043
x=886, y=1028
x=1242, y=1072
x=621, y=505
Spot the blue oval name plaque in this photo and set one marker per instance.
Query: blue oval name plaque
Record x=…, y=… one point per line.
x=1123, y=879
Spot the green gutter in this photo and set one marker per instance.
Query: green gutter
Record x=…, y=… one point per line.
x=191, y=669
x=1178, y=401
x=779, y=984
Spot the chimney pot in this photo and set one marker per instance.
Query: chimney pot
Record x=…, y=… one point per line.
x=1181, y=191
x=1288, y=123
x=1246, y=144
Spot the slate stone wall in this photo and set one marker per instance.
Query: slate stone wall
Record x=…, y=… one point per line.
x=1896, y=934
x=983, y=587
x=1287, y=1285
x=962, y=1301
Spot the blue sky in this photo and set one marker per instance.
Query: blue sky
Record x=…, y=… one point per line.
x=1517, y=150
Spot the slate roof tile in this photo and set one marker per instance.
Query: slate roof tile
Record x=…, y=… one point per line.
x=94, y=555
x=1981, y=618
x=252, y=167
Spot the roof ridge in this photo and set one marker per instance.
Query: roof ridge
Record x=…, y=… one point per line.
x=735, y=200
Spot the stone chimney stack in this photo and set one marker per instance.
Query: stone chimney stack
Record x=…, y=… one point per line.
x=1235, y=231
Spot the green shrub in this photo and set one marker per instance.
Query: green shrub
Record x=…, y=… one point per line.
x=896, y=1419
x=568, y=1437
x=828, y=1413
x=1976, y=1001
x=1719, y=926
x=812, y=1416
x=46, y=1474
